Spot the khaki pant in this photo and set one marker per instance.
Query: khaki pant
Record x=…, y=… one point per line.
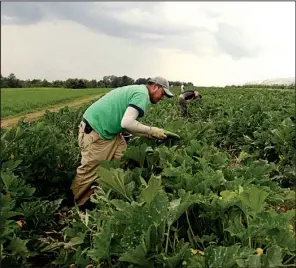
x=93, y=150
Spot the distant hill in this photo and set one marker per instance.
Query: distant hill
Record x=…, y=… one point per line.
x=277, y=81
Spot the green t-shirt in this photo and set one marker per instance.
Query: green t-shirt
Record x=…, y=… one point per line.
x=105, y=114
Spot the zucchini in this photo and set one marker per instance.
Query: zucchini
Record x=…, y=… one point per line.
x=171, y=135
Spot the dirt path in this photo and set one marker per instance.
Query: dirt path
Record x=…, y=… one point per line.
x=35, y=115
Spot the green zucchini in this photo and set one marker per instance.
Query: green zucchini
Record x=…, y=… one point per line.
x=171, y=135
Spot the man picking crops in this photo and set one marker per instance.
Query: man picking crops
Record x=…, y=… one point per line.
x=185, y=98
x=99, y=136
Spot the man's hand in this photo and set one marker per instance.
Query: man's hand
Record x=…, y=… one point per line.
x=158, y=133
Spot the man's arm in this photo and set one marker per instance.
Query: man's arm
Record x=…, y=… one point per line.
x=130, y=123
x=140, y=134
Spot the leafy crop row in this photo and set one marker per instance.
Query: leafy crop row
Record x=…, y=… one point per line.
x=222, y=196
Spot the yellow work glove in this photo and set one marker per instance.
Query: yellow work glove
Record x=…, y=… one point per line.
x=158, y=133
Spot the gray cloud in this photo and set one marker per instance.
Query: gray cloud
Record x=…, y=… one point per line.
x=107, y=18
x=103, y=17
x=21, y=13
x=233, y=41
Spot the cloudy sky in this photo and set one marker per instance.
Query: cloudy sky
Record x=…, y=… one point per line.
x=207, y=43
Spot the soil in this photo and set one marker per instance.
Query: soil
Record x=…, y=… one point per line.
x=9, y=122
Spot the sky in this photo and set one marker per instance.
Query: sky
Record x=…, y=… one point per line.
x=207, y=43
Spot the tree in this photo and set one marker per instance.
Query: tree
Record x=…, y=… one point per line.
x=101, y=84
x=57, y=83
x=4, y=83
x=116, y=82
x=12, y=81
x=108, y=81
x=36, y=83
x=75, y=83
x=91, y=84
x=45, y=83
x=127, y=80
x=140, y=81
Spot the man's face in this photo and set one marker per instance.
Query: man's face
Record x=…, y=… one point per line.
x=156, y=93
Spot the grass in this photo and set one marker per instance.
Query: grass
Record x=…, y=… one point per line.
x=18, y=101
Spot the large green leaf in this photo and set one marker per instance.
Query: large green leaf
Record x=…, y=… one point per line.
x=254, y=198
x=150, y=240
x=253, y=261
x=101, y=243
x=7, y=230
x=7, y=206
x=138, y=153
x=14, y=186
x=137, y=256
x=18, y=247
x=221, y=257
x=114, y=179
x=77, y=240
x=273, y=257
x=176, y=259
x=79, y=258
x=135, y=218
x=237, y=229
x=283, y=238
x=149, y=193
x=179, y=205
x=39, y=211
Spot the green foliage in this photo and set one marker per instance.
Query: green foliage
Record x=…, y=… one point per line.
x=20, y=211
x=221, y=196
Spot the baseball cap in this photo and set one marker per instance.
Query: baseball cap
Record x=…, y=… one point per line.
x=164, y=83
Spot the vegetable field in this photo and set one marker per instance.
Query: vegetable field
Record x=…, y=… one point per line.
x=222, y=196
x=16, y=101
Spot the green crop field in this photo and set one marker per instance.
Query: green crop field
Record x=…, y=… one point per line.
x=222, y=196
x=15, y=101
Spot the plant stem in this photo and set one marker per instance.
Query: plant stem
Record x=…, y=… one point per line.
x=247, y=218
x=167, y=239
x=266, y=246
x=190, y=228
x=289, y=260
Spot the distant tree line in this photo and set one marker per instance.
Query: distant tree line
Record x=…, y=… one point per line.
x=110, y=81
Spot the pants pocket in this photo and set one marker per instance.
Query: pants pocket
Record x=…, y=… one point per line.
x=94, y=136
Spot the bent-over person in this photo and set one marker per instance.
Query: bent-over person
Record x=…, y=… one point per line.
x=100, y=137
x=185, y=98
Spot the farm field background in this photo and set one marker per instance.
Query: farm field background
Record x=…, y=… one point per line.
x=20, y=101
x=221, y=196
